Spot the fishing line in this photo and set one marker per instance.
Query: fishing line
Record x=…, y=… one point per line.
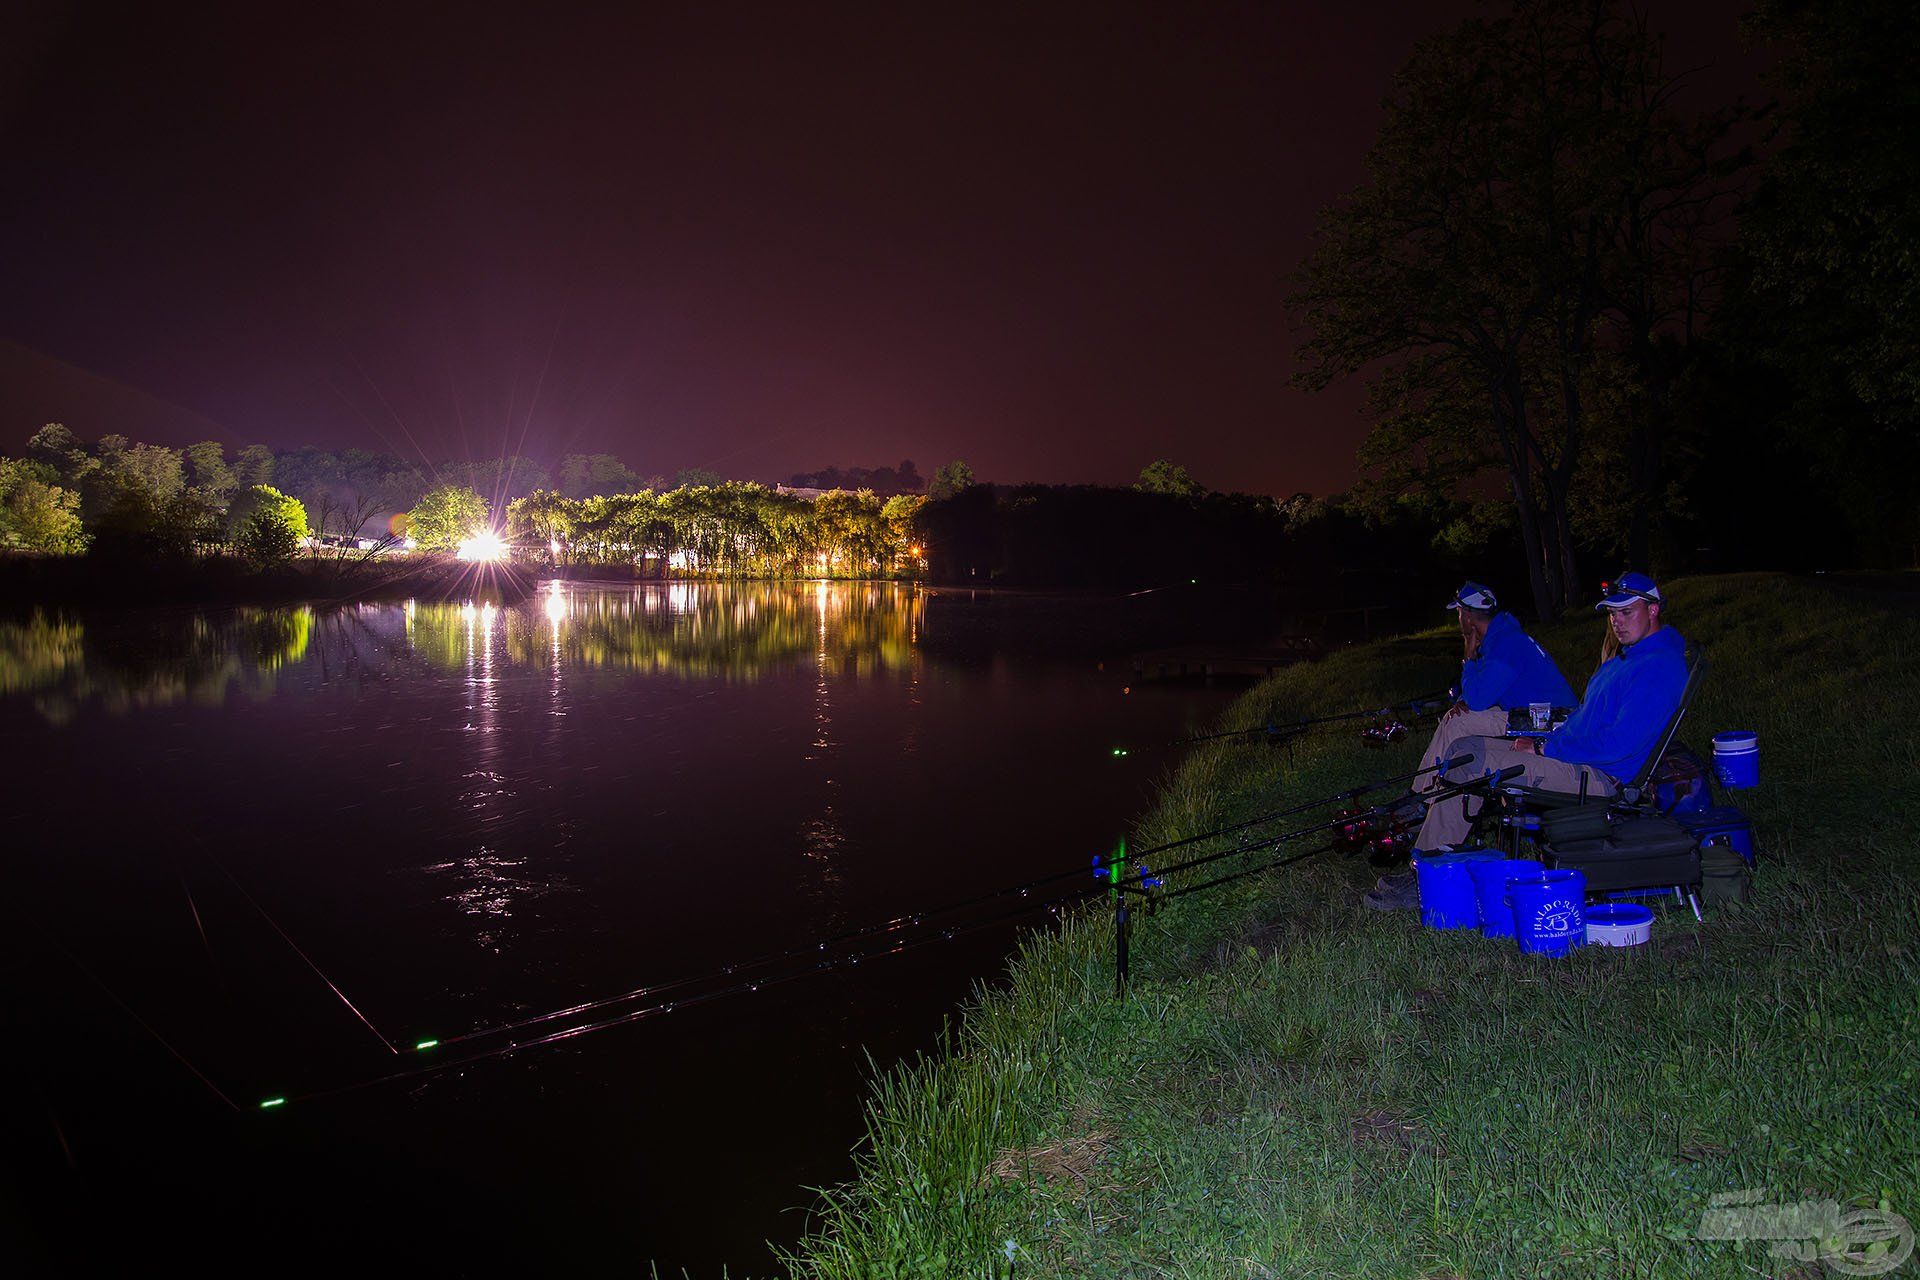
x=828, y=965
x=688, y=1002
x=914, y=919
x=351, y=1007
x=194, y=907
x=128, y=1009
x=1277, y=727
x=834, y=963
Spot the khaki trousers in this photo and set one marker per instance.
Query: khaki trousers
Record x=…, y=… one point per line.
x=1490, y=723
x=1449, y=821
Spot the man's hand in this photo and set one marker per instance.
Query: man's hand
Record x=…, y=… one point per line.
x=1529, y=745
x=1457, y=709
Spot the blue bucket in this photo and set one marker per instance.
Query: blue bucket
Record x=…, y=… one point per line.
x=1490, y=887
x=1549, y=912
x=1736, y=758
x=1446, y=889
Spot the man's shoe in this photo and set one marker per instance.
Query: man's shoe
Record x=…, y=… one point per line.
x=1394, y=893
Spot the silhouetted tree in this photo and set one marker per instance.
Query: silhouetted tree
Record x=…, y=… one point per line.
x=1831, y=281
x=1533, y=241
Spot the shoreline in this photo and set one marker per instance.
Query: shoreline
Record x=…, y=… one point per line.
x=1294, y=1085
x=28, y=583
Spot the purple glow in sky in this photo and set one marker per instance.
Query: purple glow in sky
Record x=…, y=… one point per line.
x=1052, y=240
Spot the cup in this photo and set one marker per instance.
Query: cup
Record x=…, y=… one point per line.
x=1542, y=713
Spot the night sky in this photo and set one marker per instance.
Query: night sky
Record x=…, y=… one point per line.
x=1050, y=239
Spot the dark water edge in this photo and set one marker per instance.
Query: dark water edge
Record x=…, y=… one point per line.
x=93, y=583
x=637, y=783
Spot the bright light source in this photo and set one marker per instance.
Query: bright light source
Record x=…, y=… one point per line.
x=483, y=546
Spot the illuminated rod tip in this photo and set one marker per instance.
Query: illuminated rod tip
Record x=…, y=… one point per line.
x=425, y=1044
x=273, y=1102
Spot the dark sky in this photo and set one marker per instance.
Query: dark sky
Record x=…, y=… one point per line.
x=1050, y=239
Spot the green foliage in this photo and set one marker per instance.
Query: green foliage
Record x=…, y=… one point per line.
x=207, y=465
x=35, y=514
x=697, y=478
x=732, y=529
x=269, y=525
x=445, y=516
x=127, y=478
x=899, y=515
x=253, y=466
x=58, y=449
x=543, y=518
x=1162, y=476
x=950, y=478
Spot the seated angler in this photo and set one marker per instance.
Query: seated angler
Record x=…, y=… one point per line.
x=1629, y=701
x=1504, y=668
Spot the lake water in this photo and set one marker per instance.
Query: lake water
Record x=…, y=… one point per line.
x=464, y=816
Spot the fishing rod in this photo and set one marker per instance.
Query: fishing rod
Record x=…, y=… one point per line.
x=1146, y=878
x=744, y=987
x=914, y=919
x=889, y=946
x=1139, y=878
x=1424, y=704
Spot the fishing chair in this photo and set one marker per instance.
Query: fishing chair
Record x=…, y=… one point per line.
x=1623, y=841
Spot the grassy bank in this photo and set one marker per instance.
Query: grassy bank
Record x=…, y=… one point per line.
x=1297, y=1087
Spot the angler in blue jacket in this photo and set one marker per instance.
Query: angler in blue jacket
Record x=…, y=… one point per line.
x=1504, y=668
x=1608, y=738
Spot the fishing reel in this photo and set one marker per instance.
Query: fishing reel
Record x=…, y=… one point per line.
x=1392, y=844
x=1383, y=733
x=1385, y=836
x=1356, y=829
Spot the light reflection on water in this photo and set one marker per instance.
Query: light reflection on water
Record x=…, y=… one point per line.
x=732, y=631
x=463, y=813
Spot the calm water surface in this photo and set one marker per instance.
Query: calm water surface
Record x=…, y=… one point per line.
x=465, y=815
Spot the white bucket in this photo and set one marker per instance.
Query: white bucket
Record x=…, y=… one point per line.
x=1618, y=924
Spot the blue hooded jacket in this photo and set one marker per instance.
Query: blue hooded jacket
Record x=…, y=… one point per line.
x=1628, y=703
x=1512, y=671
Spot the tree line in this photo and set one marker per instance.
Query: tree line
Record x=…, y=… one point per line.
x=732, y=529
x=120, y=498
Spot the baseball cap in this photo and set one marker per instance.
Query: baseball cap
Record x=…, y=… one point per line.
x=1473, y=595
x=1627, y=588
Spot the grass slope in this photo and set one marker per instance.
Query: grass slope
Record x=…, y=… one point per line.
x=1297, y=1087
